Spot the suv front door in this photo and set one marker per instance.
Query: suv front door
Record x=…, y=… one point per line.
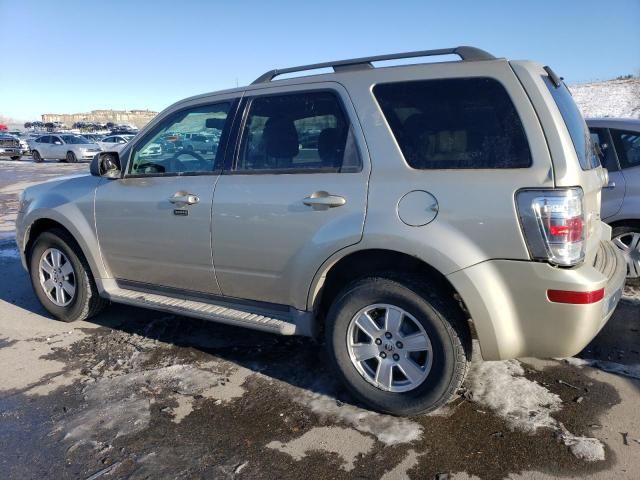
x=154, y=224
x=294, y=194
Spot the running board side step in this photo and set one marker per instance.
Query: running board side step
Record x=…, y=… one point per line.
x=293, y=322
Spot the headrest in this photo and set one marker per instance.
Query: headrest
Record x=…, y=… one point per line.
x=451, y=141
x=280, y=138
x=331, y=142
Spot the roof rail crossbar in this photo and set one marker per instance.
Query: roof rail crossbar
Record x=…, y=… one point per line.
x=465, y=53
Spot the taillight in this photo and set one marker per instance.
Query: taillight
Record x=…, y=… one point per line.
x=553, y=224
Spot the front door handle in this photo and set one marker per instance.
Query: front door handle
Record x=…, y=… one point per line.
x=184, y=198
x=322, y=200
x=610, y=185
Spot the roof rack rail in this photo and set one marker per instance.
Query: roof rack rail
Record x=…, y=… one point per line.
x=465, y=53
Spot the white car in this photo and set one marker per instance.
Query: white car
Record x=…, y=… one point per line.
x=70, y=148
x=114, y=143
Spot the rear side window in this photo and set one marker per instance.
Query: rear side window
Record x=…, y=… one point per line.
x=575, y=124
x=628, y=147
x=454, y=123
x=297, y=133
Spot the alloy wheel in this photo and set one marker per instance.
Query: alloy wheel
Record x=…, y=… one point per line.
x=629, y=245
x=57, y=277
x=389, y=348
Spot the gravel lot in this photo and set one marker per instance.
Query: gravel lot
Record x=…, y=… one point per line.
x=141, y=394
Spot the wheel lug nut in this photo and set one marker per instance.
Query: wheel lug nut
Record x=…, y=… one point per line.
x=383, y=355
x=399, y=344
x=396, y=357
x=388, y=335
x=378, y=341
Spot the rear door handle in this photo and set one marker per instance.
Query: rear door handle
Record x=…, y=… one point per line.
x=322, y=200
x=184, y=198
x=610, y=185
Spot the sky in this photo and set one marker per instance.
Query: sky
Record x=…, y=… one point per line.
x=74, y=56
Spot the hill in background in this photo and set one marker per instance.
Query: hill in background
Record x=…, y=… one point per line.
x=609, y=98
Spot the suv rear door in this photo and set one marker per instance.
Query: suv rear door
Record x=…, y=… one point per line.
x=294, y=193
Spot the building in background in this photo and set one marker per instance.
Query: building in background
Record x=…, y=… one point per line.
x=136, y=118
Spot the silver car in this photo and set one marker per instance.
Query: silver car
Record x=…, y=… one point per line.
x=398, y=211
x=618, y=141
x=63, y=146
x=114, y=143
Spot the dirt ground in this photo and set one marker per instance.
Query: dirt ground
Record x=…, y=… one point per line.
x=141, y=394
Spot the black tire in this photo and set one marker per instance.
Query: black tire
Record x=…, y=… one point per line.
x=71, y=157
x=87, y=302
x=36, y=156
x=15, y=158
x=625, y=230
x=441, y=318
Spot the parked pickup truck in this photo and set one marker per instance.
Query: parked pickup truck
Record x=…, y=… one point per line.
x=10, y=146
x=397, y=212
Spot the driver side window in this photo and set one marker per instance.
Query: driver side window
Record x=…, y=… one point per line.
x=184, y=143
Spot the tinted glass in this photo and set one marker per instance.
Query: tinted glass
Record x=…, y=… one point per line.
x=575, y=124
x=75, y=139
x=604, y=149
x=628, y=147
x=168, y=151
x=297, y=132
x=45, y=139
x=454, y=123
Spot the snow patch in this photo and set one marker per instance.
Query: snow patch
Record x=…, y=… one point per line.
x=622, y=98
x=387, y=429
x=121, y=404
x=345, y=442
x=526, y=405
x=400, y=470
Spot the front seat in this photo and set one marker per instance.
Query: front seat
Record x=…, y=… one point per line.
x=281, y=145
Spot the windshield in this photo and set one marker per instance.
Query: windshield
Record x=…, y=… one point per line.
x=77, y=139
x=575, y=124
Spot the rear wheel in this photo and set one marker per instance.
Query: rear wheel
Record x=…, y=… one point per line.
x=15, y=158
x=61, y=278
x=71, y=157
x=36, y=156
x=627, y=239
x=399, y=346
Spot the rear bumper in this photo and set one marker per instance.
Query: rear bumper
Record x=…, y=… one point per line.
x=513, y=317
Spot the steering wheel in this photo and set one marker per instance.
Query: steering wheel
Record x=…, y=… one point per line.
x=176, y=164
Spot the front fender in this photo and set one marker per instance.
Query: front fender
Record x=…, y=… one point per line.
x=69, y=203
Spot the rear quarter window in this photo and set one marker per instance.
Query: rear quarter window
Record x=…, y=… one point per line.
x=576, y=125
x=458, y=123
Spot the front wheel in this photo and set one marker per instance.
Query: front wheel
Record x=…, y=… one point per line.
x=627, y=239
x=399, y=347
x=61, y=278
x=71, y=157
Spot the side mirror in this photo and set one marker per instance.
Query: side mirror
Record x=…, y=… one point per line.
x=106, y=164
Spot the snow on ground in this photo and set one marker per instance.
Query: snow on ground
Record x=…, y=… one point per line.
x=525, y=404
x=345, y=442
x=609, y=98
